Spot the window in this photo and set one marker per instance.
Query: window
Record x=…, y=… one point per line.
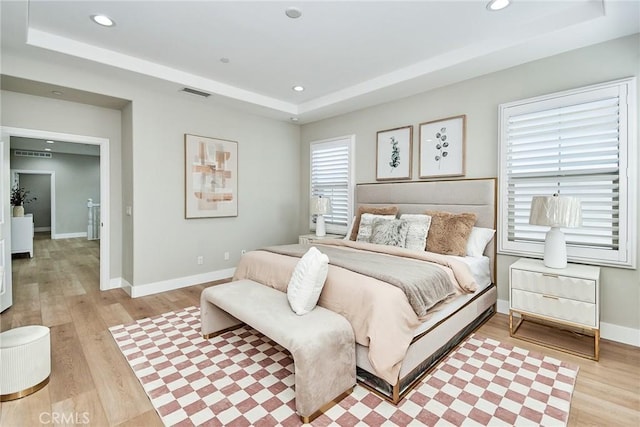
x=332, y=176
x=577, y=143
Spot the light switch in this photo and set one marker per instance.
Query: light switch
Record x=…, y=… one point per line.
x=129, y=210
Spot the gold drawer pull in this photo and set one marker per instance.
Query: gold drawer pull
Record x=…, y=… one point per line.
x=550, y=297
x=555, y=276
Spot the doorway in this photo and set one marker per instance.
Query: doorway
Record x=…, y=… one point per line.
x=103, y=144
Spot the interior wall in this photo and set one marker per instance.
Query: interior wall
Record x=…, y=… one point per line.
x=53, y=115
x=77, y=179
x=479, y=98
x=164, y=245
x=127, y=193
x=39, y=187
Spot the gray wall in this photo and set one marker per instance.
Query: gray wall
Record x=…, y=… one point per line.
x=77, y=179
x=39, y=186
x=34, y=112
x=479, y=98
x=157, y=244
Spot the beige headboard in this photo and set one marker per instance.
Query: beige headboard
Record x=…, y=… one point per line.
x=460, y=195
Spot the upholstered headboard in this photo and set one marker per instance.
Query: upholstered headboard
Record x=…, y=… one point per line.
x=460, y=195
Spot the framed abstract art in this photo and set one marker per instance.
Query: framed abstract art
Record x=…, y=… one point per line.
x=211, y=177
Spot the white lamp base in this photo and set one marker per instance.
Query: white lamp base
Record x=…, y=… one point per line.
x=555, y=249
x=320, y=230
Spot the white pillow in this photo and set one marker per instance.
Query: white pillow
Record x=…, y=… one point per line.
x=418, y=231
x=307, y=281
x=366, y=223
x=478, y=241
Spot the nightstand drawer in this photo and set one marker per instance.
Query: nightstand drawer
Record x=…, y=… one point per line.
x=554, y=285
x=570, y=310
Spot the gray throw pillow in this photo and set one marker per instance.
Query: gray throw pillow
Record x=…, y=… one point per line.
x=389, y=232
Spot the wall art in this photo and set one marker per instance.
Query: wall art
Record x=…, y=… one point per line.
x=211, y=177
x=393, y=156
x=442, y=147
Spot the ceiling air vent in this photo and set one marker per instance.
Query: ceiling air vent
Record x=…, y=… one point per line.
x=39, y=154
x=195, y=92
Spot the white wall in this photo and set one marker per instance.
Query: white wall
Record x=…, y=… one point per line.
x=479, y=99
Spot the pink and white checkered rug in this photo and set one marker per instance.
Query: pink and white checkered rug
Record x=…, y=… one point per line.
x=243, y=378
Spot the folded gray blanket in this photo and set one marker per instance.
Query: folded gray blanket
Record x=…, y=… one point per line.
x=423, y=283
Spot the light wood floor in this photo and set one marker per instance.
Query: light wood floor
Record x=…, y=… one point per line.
x=90, y=378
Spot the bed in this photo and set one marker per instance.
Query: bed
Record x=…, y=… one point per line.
x=396, y=347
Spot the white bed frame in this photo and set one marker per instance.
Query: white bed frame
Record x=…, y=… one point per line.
x=427, y=349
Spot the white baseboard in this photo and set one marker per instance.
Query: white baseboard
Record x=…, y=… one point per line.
x=608, y=331
x=69, y=235
x=117, y=283
x=41, y=229
x=180, y=282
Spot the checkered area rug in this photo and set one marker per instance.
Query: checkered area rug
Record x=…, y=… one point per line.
x=243, y=378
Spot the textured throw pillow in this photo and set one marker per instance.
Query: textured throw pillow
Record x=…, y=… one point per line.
x=366, y=225
x=449, y=232
x=307, y=281
x=418, y=230
x=376, y=210
x=389, y=232
x=478, y=241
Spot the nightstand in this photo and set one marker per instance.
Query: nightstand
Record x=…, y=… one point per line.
x=310, y=238
x=568, y=298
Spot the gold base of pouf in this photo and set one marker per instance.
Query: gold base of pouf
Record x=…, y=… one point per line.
x=25, y=392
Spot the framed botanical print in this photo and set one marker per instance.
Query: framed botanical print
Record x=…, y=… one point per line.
x=442, y=147
x=393, y=155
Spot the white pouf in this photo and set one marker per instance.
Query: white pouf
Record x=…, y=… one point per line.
x=25, y=361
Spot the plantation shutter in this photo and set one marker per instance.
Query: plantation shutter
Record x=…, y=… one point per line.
x=572, y=145
x=331, y=177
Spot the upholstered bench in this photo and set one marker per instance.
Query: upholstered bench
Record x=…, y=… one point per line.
x=25, y=361
x=321, y=342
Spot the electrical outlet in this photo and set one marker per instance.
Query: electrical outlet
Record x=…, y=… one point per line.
x=200, y=260
x=226, y=256
x=242, y=252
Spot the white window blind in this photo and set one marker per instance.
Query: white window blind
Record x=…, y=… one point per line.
x=332, y=176
x=575, y=144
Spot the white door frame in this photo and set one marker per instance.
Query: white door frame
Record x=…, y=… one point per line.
x=52, y=183
x=105, y=203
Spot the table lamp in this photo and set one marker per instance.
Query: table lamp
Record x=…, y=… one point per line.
x=320, y=206
x=555, y=211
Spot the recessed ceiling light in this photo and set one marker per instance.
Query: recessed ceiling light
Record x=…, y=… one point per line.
x=50, y=142
x=56, y=92
x=47, y=149
x=298, y=88
x=103, y=20
x=293, y=12
x=494, y=5
x=294, y=119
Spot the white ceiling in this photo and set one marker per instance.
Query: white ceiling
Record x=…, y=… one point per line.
x=347, y=54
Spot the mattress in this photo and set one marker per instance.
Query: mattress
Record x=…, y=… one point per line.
x=481, y=270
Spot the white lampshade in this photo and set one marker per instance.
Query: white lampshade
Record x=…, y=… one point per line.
x=555, y=211
x=320, y=206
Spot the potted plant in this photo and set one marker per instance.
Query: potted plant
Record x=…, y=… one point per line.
x=20, y=196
